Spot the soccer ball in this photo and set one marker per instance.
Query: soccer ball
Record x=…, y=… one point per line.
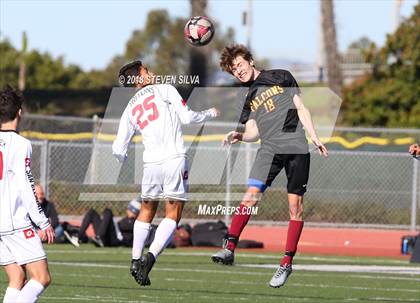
x=199, y=31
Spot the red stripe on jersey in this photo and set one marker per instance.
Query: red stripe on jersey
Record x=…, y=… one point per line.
x=1, y=165
x=184, y=102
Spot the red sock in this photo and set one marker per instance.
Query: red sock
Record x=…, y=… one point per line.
x=238, y=223
x=293, y=235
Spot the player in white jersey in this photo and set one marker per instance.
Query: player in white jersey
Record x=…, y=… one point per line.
x=157, y=112
x=20, y=246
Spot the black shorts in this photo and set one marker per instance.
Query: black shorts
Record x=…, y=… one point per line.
x=268, y=165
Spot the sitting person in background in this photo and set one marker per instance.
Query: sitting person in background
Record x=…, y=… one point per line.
x=108, y=232
x=50, y=212
x=414, y=150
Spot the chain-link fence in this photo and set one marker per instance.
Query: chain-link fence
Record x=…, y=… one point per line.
x=349, y=188
x=368, y=180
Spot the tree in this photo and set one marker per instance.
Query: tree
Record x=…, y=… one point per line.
x=389, y=95
x=363, y=43
x=9, y=68
x=330, y=44
x=34, y=70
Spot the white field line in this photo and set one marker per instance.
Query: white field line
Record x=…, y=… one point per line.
x=302, y=285
x=208, y=254
x=305, y=274
x=307, y=267
x=121, y=300
x=403, y=270
x=371, y=277
x=393, y=300
x=91, y=298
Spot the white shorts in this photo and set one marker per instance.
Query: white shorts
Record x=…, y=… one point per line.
x=165, y=180
x=21, y=247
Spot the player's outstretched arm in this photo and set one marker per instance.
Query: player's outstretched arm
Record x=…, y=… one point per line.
x=185, y=114
x=250, y=134
x=306, y=119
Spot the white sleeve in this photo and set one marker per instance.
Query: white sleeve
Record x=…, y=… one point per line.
x=185, y=114
x=27, y=193
x=126, y=131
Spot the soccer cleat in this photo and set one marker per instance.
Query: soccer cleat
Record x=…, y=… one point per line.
x=224, y=256
x=74, y=240
x=281, y=275
x=97, y=241
x=134, y=270
x=146, y=263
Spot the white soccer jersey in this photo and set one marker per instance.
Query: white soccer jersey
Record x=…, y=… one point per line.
x=157, y=112
x=18, y=204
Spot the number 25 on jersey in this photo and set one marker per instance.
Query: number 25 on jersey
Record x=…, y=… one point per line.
x=147, y=107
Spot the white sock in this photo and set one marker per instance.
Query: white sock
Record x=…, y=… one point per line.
x=163, y=236
x=30, y=292
x=140, y=232
x=11, y=295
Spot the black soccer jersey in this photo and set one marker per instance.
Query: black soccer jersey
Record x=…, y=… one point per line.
x=270, y=102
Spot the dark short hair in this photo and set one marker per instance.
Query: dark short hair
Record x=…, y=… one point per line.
x=230, y=52
x=11, y=101
x=129, y=70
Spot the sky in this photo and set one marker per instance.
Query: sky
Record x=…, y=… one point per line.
x=90, y=32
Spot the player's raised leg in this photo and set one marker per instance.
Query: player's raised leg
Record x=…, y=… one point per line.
x=163, y=236
x=239, y=220
x=140, y=233
x=293, y=234
x=297, y=172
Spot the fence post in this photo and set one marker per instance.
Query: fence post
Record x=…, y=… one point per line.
x=414, y=195
x=228, y=189
x=92, y=178
x=44, y=167
x=248, y=160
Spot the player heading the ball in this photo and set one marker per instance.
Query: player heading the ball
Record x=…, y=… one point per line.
x=274, y=113
x=157, y=112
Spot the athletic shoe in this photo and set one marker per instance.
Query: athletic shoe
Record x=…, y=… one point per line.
x=73, y=239
x=224, y=256
x=146, y=263
x=97, y=241
x=281, y=275
x=134, y=270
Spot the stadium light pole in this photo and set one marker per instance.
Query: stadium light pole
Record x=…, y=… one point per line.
x=247, y=22
x=397, y=13
x=22, y=62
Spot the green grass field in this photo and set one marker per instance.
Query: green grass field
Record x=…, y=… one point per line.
x=89, y=274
